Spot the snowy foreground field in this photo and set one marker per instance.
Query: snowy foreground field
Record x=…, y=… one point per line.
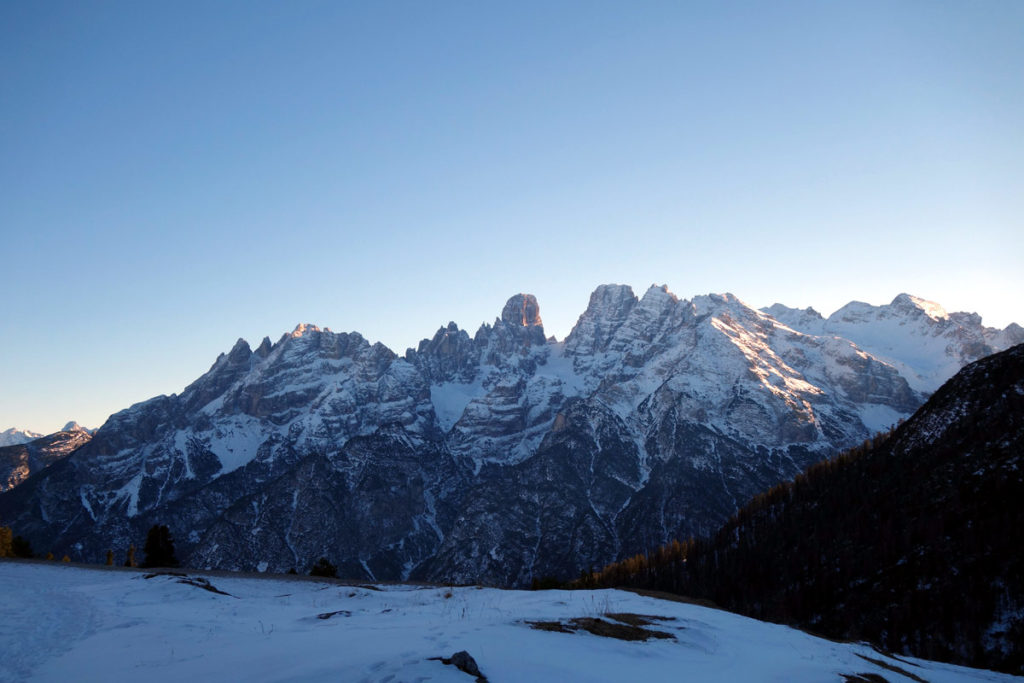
x=63, y=623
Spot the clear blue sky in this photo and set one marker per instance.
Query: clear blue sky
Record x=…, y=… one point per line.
x=174, y=176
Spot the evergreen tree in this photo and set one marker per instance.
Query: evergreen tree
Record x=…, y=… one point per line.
x=110, y=558
x=129, y=560
x=21, y=547
x=324, y=568
x=159, y=548
x=6, y=539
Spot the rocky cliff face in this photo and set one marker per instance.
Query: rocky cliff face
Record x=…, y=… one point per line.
x=497, y=457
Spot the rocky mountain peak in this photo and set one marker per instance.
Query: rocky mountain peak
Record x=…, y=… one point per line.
x=264, y=348
x=522, y=310
x=722, y=303
x=918, y=337
x=450, y=355
x=240, y=352
x=303, y=329
x=609, y=308
x=658, y=296
x=906, y=306
x=1011, y=336
x=803, y=319
x=611, y=297
x=909, y=304
x=657, y=303
x=15, y=436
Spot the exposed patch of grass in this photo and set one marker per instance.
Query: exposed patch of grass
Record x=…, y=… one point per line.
x=864, y=678
x=328, y=615
x=620, y=629
x=637, y=619
x=891, y=667
x=553, y=626
x=892, y=656
x=610, y=629
x=197, y=581
x=200, y=582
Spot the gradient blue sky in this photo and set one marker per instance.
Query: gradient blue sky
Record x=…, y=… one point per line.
x=174, y=176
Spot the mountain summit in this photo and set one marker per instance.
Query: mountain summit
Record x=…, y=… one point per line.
x=15, y=436
x=916, y=336
x=522, y=309
x=496, y=457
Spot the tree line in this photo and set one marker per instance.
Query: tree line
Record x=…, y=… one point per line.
x=158, y=552
x=159, y=549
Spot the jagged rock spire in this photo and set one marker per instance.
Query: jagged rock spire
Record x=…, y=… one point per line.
x=522, y=309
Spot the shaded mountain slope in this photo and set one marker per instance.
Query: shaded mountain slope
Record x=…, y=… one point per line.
x=912, y=540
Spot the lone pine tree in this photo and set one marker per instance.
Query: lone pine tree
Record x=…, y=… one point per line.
x=159, y=548
x=323, y=567
x=21, y=547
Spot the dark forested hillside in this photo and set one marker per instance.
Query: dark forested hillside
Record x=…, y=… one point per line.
x=914, y=540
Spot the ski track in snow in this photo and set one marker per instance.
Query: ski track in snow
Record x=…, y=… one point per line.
x=63, y=623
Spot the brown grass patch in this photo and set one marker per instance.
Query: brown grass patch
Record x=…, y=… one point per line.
x=328, y=615
x=606, y=629
x=609, y=629
x=553, y=626
x=890, y=667
x=892, y=656
x=637, y=619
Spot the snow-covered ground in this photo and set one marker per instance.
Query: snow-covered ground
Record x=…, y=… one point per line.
x=65, y=623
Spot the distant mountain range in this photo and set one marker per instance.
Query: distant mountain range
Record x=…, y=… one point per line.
x=24, y=458
x=15, y=436
x=497, y=457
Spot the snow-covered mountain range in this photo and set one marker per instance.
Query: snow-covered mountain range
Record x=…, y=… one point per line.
x=15, y=436
x=501, y=456
x=926, y=344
